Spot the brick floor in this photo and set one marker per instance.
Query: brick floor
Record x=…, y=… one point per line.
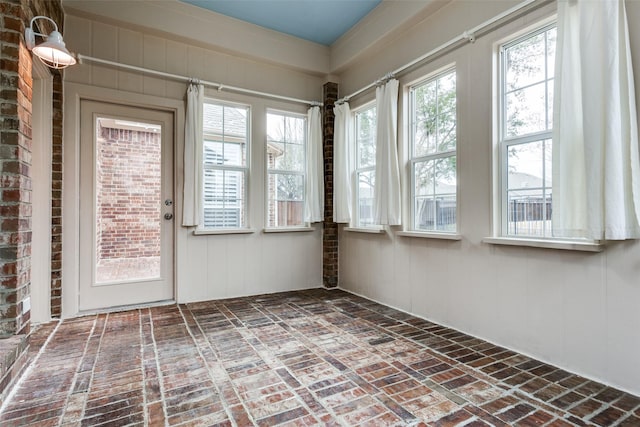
x=296, y=359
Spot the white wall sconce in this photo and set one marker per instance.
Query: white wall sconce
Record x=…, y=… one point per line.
x=52, y=51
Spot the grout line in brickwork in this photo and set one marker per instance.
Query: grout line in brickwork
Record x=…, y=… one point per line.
x=27, y=371
x=160, y=373
x=227, y=407
x=145, y=402
x=75, y=376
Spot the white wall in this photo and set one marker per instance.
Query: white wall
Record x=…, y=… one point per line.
x=577, y=310
x=213, y=266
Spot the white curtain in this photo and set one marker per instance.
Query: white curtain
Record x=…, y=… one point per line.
x=342, y=163
x=314, y=194
x=596, y=171
x=192, y=190
x=387, y=185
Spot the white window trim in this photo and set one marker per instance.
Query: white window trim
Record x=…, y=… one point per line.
x=210, y=231
x=373, y=229
x=245, y=228
x=270, y=230
x=413, y=231
x=500, y=214
x=505, y=142
x=306, y=226
x=570, y=245
x=431, y=235
x=355, y=223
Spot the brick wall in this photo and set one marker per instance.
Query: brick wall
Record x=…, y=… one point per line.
x=127, y=196
x=330, y=235
x=15, y=157
x=56, y=198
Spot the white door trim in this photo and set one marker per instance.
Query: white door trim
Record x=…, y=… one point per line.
x=73, y=94
x=42, y=115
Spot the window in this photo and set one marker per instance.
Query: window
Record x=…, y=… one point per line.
x=433, y=153
x=526, y=113
x=225, y=164
x=365, y=127
x=286, y=142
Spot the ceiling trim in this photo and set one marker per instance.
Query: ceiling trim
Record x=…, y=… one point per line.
x=194, y=25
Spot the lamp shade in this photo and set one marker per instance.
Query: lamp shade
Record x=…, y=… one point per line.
x=53, y=52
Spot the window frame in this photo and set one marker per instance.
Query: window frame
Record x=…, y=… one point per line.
x=245, y=170
x=413, y=159
x=305, y=225
x=505, y=142
x=355, y=222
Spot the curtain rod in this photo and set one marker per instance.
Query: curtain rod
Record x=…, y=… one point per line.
x=218, y=86
x=468, y=36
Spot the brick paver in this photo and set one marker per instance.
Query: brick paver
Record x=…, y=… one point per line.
x=299, y=358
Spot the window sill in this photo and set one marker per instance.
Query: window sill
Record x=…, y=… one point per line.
x=370, y=230
x=430, y=235
x=287, y=229
x=223, y=231
x=568, y=245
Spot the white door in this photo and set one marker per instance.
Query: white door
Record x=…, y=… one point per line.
x=126, y=206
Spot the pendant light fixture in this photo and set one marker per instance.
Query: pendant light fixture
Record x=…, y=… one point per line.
x=52, y=52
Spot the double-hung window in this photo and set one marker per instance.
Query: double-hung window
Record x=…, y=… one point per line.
x=225, y=164
x=526, y=126
x=286, y=169
x=433, y=153
x=365, y=167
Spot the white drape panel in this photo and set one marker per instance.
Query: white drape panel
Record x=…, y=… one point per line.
x=596, y=170
x=192, y=190
x=314, y=194
x=342, y=163
x=387, y=186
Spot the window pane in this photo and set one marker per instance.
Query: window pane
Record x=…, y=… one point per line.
x=286, y=138
x=528, y=86
x=525, y=63
x=235, y=123
x=225, y=144
x=366, y=137
x=526, y=110
x=366, y=185
x=213, y=153
x=291, y=159
x=434, y=133
x=434, y=116
x=447, y=131
x=435, y=213
x=286, y=200
x=296, y=129
x=425, y=138
x=529, y=213
x=551, y=51
x=225, y=134
x=213, y=119
x=424, y=178
x=435, y=195
x=529, y=189
x=223, y=198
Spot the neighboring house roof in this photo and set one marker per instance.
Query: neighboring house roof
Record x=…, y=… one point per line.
x=235, y=121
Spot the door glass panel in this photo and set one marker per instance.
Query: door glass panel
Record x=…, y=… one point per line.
x=128, y=200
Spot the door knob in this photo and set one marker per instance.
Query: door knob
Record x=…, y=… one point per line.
x=168, y=216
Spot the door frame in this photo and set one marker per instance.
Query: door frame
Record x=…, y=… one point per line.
x=42, y=115
x=73, y=94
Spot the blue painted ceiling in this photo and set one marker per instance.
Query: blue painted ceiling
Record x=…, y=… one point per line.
x=320, y=21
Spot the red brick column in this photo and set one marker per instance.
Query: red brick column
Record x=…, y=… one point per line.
x=56, y=198
x=15, y=160
x=15, y=173
x=330, y=235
